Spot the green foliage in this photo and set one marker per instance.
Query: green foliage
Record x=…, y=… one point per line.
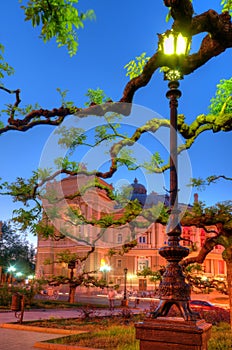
x=43, y=174
x=17, y=111
x=66, y=164
x=96, y=96
x=15, y=250
x=221, y=338
x=157, y=212
x=125, y=158
x=44, y=230
x=66, y=256
x=221, y=212
x=65, y=104
x=227, y=6
x=22, y=189
x=112, y=333
x=154, y=163
x=26, y=220
x=53, y=212
x=145, y=272
x=107, y=132
x=6, y=293
x=221, y=103
x=154, y=276
x=200, y=183
x=5, y=68
x=59, y=19
x=70, y=138
x=123, y=195
x=135, y=67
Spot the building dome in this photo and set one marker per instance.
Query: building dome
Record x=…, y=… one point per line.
x=139, y=192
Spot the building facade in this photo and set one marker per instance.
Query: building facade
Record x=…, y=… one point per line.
x=95, y=203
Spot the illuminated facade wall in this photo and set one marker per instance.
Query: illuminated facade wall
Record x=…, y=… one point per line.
x=145, y=254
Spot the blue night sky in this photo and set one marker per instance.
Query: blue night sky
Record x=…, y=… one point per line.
x=121, y=31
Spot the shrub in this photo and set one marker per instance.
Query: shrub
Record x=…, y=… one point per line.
x=212, y=316
x=6, y=293
x=221, y=338
x=216, y=317
x=5, y=296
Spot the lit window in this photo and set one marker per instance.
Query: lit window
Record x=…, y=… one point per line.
x=142, y=264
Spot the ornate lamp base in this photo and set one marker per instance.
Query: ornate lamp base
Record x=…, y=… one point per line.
x=183, y=305
x=173, y=289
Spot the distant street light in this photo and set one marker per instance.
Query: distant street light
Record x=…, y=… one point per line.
x=11, y=270
x=131, y=276
x=30, y=277
x=18, y=274
x=104, y=268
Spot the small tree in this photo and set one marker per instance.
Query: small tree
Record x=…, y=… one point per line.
x=82, y=278
x=217, y=222
x=154, y=276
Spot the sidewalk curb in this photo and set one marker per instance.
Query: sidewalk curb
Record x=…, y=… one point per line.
x=50, y=346
x=40, y=329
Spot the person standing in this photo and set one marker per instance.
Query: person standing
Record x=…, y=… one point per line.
x=111, y=298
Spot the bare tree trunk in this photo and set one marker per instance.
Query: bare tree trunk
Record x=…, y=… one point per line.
x=229, y=281
x=72, y=290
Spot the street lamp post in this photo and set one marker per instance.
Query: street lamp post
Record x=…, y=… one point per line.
x=124, y=300
x=125, y=282
x=173, y=289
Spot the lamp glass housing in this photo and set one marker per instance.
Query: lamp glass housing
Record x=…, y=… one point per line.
x=177, y=46
x=174, y=43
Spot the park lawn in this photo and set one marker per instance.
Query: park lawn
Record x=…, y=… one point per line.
x=114, y=337
x=118, y=333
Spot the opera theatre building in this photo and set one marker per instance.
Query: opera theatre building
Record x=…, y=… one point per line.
x=86, y=215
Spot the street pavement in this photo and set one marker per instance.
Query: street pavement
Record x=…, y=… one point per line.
x=11, y=339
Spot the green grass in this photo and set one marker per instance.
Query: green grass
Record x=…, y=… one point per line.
x=118, y=333
x=221, y=338
x=114, y=337
x=57, y=304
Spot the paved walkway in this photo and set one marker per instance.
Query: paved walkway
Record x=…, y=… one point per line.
x=13, y=339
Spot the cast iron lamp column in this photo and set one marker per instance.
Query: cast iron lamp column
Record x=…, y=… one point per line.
x=125, y=282
x=173, y=289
